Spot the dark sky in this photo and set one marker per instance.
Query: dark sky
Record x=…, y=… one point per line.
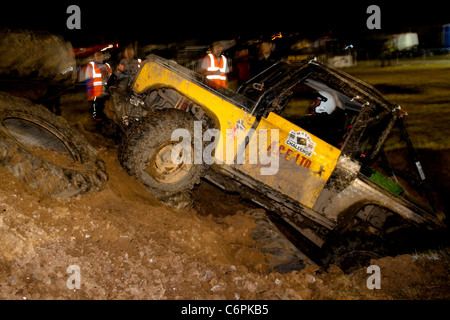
x=164, y=21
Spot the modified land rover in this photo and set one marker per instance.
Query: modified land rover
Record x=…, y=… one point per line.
x=344, y=195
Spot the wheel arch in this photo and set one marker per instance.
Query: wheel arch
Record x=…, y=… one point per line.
x=194, y=104
x=346, y=204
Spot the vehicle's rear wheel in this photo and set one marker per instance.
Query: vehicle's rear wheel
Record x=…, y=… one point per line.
x=146, y=153
x=351, y=251
x=41, y=149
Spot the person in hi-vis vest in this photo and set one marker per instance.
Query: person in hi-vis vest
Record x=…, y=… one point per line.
x=97, y=76
x=215, y=67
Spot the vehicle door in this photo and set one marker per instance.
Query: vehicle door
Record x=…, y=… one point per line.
x=291, y=160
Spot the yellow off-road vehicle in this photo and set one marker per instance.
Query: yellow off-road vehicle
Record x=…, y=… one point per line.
x=340, y=191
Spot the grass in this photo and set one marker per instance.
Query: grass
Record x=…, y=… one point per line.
x=422, y=88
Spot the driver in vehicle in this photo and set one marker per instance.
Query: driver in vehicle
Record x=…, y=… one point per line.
x=325, y=120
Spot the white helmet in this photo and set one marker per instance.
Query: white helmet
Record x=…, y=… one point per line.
x=324, y=103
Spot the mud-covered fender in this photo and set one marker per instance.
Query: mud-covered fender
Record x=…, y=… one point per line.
x=344, y=205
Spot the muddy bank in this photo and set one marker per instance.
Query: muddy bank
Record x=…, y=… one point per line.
x=129, y=246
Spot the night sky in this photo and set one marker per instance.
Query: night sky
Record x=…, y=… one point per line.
x=166, y=21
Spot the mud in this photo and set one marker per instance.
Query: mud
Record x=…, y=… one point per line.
x=33, y=55
x=127, y=245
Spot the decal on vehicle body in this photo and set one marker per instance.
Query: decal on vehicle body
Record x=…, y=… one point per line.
x=240, y=125
x=301, y=141
x=288, y=154
x=234, y=129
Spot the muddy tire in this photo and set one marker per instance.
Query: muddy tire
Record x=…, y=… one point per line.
x=145, y=153
x=352, y=250
x=42, y=150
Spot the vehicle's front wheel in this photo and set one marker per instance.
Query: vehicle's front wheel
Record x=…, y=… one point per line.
x=146, y=153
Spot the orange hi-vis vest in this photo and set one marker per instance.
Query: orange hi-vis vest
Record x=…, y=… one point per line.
x=95, y=84
x=217, y=80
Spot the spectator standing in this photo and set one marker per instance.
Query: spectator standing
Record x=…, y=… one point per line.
x=97, y=76
x=265, y=57
x=214, y=67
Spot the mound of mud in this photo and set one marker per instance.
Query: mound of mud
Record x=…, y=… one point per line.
x=128, y=246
